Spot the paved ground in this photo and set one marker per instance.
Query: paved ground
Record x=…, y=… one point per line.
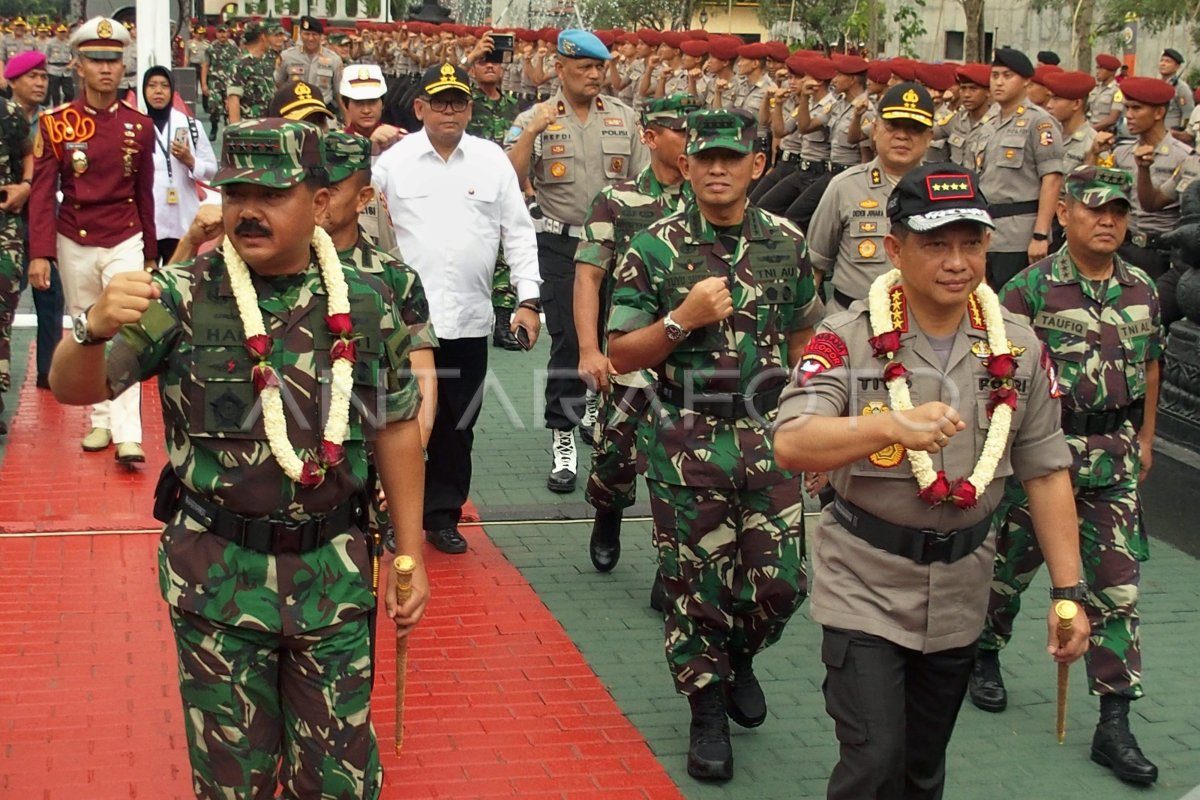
x=507, y=695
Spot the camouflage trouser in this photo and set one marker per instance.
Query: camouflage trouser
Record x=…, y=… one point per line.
x=732, y=561
x=216, y=101
x=10, y=294
x=1113, y=545
x=503, y=293
x=264, y=710
x=612, y=486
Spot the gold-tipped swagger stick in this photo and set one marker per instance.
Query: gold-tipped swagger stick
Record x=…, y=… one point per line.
x=1065, y=610
x=404, y=566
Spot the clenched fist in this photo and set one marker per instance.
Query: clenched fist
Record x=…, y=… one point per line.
x=928, y=427
x=124, y=301
x=708, y=301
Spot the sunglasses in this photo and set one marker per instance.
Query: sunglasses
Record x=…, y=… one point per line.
x=442, y=104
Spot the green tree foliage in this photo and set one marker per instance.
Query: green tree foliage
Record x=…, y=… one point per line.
x=31, y=9
x=633, y=14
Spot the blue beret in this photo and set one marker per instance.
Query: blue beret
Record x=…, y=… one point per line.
x=575, y=43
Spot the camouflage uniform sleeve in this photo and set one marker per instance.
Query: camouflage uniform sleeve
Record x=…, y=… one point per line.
x=16, y=137
x=635, y=291
x=597, y=246
x=403, y=395
x=414, y=308
x=237, y=79
x=140, y=350
x=1015, y=295
x=808, y=309
x=1039, y=447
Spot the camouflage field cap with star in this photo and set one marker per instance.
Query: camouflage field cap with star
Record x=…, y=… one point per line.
x=934, y=195
x=345, y=154
x=276, y=153
x=1096, y=186
x=670, y=112
x=711, y=129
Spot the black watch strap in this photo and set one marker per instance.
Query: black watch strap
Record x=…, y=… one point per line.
x=1040, y=237
x=1078, y=592
x=533, y=305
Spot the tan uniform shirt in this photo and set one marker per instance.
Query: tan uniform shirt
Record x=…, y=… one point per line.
x=840, y=149
x=960, y=135
x=1103, y=100
x=815, y=144
x=923, y=607
x=1077, y=146
x=1168, y=158
x=845, y=237
x=323, y=71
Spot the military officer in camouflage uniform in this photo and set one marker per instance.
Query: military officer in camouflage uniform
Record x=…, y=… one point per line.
x=618, y=213
x=218, y=63
x=312, y=63
x=1098, y=318
x=1106, y=102
x=1019, y=159
x=16, y=170
x=719, y=299
x=268, y=655
x=493, y=112
x=251, y=84
x=902, y=572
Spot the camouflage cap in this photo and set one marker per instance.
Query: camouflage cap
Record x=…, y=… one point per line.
x=345, y=154
x=727, y=130
x=277, y=153
x=670, y=112
x=1096, y=186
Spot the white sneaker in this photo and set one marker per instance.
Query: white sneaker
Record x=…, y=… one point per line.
x=562, y=472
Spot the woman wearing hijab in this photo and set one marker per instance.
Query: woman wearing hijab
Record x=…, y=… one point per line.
x=183, y=157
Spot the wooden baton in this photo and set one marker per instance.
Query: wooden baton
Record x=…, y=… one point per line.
x=1065, y=610
x=404, y=566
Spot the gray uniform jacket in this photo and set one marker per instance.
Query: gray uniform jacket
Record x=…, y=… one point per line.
x=1168, y=159
x=845, y=237
x=323, y=71
x=1181, y=106
x=1103, y=100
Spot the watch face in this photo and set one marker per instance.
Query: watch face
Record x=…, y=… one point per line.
x=79, y=328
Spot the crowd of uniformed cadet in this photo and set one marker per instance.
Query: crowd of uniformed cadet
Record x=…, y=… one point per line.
x=678, y=317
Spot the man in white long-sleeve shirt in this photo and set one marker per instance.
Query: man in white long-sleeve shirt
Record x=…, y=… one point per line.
x=453, y=199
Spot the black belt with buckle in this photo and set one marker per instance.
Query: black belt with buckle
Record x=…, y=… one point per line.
x=724, y=406
x=789, y=157
x=1149, y=241
x=1094, y=423
x=1000, y=210
x=271, y=536
x=835, y=167
x=922, y=545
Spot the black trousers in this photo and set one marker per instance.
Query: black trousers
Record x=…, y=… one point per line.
x=49, y=305
x=1001, y=267
x=1157, y=264
x=461, y=368
x=803, y=207
x=564, y=389
x=771, y=179
x=165, y=248
x=893, y=711
x=789, y=188
x=62, y=89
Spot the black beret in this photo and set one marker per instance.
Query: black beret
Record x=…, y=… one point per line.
x=311, y=24
x=1015, y=60
x=1174, y=55
x=1048, y=57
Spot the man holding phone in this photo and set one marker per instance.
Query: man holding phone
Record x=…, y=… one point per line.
x=439, y=182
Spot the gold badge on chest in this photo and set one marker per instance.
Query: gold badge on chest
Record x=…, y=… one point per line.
x=891, y=455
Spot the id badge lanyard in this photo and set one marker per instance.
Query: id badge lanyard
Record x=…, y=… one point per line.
x=172, y=194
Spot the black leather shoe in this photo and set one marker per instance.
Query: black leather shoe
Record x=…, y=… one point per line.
x=447, y=540
x=710, y=755
x=502, y=335
x=605, y=545
x=1114, y=746
x=658, y=595
x=43, y=381
x=987, y=686
x=743, y=696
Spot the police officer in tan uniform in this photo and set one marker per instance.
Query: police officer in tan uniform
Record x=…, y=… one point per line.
x=904, y=552
x=310, y=62
x=1019, y=159
x=569, y=148
x=965, y=125
x=845, y=239
x=1106, y=102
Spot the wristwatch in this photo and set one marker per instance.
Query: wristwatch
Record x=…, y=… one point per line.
x=1078, y=592
x=82, y=332
x=532, y=304
x=675, y=331
x=1040, y=237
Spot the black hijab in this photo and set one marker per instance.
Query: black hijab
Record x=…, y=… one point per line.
x=161, y=116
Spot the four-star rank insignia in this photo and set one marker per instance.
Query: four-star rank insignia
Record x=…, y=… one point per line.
x=950, y=187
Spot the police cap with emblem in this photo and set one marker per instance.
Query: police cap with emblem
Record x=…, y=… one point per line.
x=101, y=39
x=276, y=153
x=299, y=101
x=312, y=25
x=345, y=154
x=444, y=78
x=1015, y=60
x=670, y=112
x=575, y=43
x=362, y=82
x=934, y=195
x=1151, y=91
x=910, y=101
x=1097, y=186
x=720, y=130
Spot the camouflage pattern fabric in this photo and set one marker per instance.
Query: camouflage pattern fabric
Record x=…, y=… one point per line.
x=618, y=212
x=773, y=296
x=272, y=152
x=237, y=727
x=1112, y=544
x=1101, y=337
x=222, y=57
x=491, y=119
x=254, y=78
x=14, y=144
x=732, y=563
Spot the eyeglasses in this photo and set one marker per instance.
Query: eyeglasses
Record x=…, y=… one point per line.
x=442, y=105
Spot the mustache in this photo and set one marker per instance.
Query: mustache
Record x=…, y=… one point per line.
x=250, y=227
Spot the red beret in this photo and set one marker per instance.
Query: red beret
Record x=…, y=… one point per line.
x=849, y=65
x=934, y=77
x=904, y=68
x=607, y=38
x=724, y=47
x=673, y=38
x=777, y=51
x=821, y=69
x=650, y=36
x=809, y=53
x=694, y=47
x=1106, y=61
x=1069, y=85
x=1040, y=73
x=796, y=64
x=1151, y=91
x=697, y=33
x=756, y=51
x=879, y=72
x=526, y=35
x=978, y=74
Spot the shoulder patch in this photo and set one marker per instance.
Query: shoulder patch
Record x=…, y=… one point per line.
x=1118, y=96
x=823, y=352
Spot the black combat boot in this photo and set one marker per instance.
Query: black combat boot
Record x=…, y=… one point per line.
x=658, y=595
x=605, y=546
x=710, y=755
x=502, y=335
x=987, y=686
x=1113, y=745
x=744, y=697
